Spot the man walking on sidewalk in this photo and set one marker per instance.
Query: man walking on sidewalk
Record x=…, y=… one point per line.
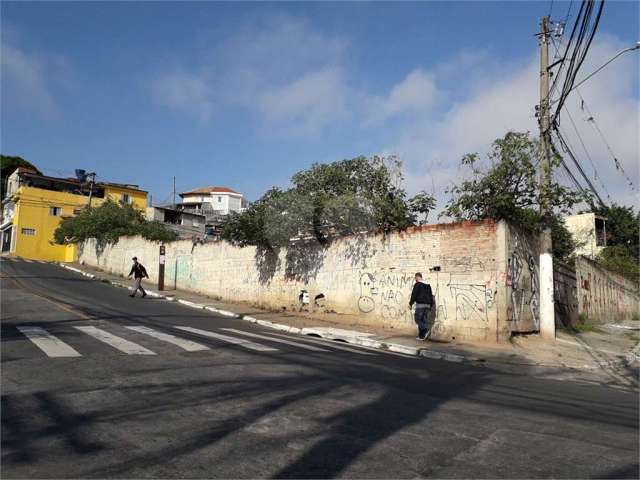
x=422, y=296
x=139, y=272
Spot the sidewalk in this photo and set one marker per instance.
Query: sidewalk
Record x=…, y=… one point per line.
x=610, y=354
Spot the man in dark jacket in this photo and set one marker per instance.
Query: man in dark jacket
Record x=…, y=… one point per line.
x=422, y=296
x=139, y=272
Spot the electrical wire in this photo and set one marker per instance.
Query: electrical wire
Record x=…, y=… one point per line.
x=586, y=152
x=586, y=30
x=568, y=12
x=592, y=120
x=566, y=147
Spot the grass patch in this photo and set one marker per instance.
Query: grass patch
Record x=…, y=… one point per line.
x=583, y=326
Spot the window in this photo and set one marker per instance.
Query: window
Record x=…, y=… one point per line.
x=601, y=233
x=28, y=231
x=126, y=198
x=55, y=211
x=219, y=199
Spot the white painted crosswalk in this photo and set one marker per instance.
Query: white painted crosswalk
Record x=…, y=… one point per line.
x=226, y=338
x=54, y=347
x=49, y=344
x=326, y=343
x=276, y=340
x=119, y=343
x=183, y=343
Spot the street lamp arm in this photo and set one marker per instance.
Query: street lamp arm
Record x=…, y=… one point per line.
x=630, y=49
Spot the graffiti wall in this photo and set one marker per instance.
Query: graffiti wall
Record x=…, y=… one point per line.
x=521, y=279
x=483, y=277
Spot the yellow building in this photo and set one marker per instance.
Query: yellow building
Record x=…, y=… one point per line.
x=36, y=204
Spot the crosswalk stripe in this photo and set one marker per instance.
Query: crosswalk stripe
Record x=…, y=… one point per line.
x=49, y=344
x=183, y=343
x=277, y=340
x=328, y=343
x=116, y=342
x=225, y=338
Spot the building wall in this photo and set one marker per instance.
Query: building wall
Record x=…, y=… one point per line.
x=604, y=296
x=583, y=229
x=138, y=197
x=32, y=212
x=479, y=273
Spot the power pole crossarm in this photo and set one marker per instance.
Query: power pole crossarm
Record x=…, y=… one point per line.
x=547, y=313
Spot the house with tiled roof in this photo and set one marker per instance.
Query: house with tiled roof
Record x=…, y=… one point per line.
x=214, y=202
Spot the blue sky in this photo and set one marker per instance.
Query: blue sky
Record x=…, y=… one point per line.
x=246, y=94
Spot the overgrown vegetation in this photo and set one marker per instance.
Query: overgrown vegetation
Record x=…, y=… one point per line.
x=107, y=223
x=509, y=190
x=328, y=201
x=8, y=165
x=622, y=253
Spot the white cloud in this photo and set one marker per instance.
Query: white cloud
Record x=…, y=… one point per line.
x=185, y=92
x=416, y=93
x=432, y=147
x=276, y=67
x=307, y=104
x=24, y=80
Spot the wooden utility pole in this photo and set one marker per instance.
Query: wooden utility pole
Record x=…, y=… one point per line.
x=547, y=313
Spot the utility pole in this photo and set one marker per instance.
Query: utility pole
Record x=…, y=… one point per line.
x=547, y=313
x=174, y=193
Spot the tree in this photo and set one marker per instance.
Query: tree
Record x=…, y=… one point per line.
x=328, y=201
x=622, y=253
x=623, y=227
x=8, y=165
x=107, y=223
x=509, y=190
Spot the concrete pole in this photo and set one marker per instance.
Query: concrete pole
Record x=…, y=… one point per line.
x=547, y=313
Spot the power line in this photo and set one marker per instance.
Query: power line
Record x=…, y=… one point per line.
x=568, y=12
x=586, y=152
x=565, y=146
x=616, y=162
x=586, y=30
x=567, y=170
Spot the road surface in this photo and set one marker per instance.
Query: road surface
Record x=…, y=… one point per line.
x=97, y=384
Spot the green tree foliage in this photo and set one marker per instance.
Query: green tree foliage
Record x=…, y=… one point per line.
x=622, y=253
x=328, y=201
x=509, y=190
x=107, y=223
x=618, y=259
x=8, y=165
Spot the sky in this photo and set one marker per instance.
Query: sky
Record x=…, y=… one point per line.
x=245, y=95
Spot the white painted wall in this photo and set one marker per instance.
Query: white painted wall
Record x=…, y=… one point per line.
x=370, y=277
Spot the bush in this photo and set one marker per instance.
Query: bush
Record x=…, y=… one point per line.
x=107, y=223
x=619, y=259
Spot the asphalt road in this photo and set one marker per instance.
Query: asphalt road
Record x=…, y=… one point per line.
x=111, y=401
